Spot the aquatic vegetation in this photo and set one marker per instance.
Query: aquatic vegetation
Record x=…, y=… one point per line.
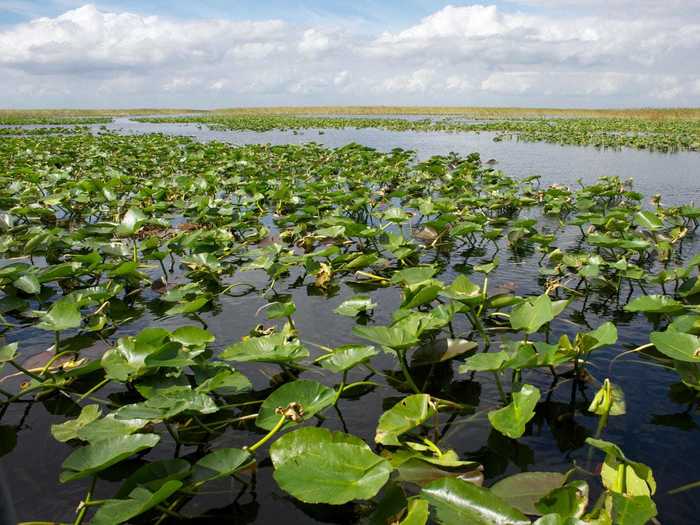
x=361, y=279
x=21, y=119
x=669, y=134
x=48, y=130
x=16, y=117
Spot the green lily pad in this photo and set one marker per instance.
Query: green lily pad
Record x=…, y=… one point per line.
x=273, y=348
x=355, y=306
x=525, y=489
x=93, y=458
x=456, y=502
x=312, y=396
x=192, y=335
x=316, y=465
x=656, y=304
x=221, y=463
x=346, y=357
x=677, y=345
x=140, y=500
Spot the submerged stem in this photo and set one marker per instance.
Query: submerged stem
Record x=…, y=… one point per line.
x=406, y=372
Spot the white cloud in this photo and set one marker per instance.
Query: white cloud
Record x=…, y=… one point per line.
x=417, y=82
x=88, y=38
x=588, y=52
x=315, y=41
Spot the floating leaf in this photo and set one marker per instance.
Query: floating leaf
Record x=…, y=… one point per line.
x=396, y=337
x=316, y=465
x=188, y=307
x=657, y=304
x=485, y=362
x=279, y=310
x=462, y=289
x=69, y=430
x=93, y=458
x=7, y=353
x=524, y=489
x=140, y=500
x=677, y=345
x=604, y=335
x=457, y=502
x=355, y=305
x=153, y=475
x=192, y=335
x=220, y=464
x=273, y=348
x=346, y=357
x=312, y=396
x=28, y=283
x=109, y=426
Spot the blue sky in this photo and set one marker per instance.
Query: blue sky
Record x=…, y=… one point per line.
x=386, y=14
x=217, y=53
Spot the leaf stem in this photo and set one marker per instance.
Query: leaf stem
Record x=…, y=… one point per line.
x=267, y=436
x=83, y=507
x=25, y=371
x=406, y=372
x=499, y=385
x=94, y=389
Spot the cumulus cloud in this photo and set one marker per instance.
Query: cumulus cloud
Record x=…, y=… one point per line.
x=550, y=52
x=88, y=38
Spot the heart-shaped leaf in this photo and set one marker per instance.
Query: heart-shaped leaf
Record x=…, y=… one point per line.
x=93, y=458
x=312, y=396
x=316, y=465
x=511, y=420
x=403, y=416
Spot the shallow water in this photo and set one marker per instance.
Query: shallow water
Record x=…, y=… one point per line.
x=660, y=427
x=674, y=175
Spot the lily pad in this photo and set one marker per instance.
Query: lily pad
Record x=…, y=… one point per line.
x=677, y=345
x=312, y=396
x=456, y=502
x=93, y=458
x=525, y=489
x=355, y=306
x=316, y=465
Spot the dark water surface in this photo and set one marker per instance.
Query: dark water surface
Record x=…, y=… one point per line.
x=660, y=427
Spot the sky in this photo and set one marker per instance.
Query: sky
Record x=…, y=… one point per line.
x=229, y=53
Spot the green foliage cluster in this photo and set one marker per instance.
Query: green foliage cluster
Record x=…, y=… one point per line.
x=94, y=229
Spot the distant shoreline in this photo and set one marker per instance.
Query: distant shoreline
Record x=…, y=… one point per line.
x=470, y=111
